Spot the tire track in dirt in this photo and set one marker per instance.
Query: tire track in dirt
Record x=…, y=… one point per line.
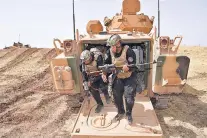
x=16, y=90
x=5, y=52
x=24, y=91
x=8, y=102
x=24, y=69
x=186, y=117
x=46, y=121
x=56, y=120
x=29, y=112
x=55, y=125
x=18, y=60
x=51, y=54
x=27, y=88
x=21, y=91
x=8, y=81
x=10, y=55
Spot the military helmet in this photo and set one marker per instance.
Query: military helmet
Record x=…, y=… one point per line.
x=85, y=55
x=113, y=39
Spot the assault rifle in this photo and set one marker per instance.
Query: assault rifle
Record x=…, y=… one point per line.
x=112, y=67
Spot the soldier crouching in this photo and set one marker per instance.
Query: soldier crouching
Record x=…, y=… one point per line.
x=91, y=62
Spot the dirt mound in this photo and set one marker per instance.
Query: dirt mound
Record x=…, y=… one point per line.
x=29, y=106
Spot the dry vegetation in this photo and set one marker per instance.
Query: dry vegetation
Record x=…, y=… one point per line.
x=29, y=107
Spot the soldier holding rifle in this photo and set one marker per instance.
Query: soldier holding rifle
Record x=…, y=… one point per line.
x=126, y=81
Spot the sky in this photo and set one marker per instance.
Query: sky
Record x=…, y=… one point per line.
x=39, y=21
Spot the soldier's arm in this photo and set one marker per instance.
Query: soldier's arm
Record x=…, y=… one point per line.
x=107, y=60
x=84, y=74
x=80, y=67
x=107, y=57
x=131, y=58
x=100, y=61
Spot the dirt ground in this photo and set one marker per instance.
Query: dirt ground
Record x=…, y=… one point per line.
x=29, y=107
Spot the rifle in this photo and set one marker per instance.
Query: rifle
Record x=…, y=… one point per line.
x=111, y=67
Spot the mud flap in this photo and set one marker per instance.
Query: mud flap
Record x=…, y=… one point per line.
x=170, y=74
x=63, y=77
x=65, y=81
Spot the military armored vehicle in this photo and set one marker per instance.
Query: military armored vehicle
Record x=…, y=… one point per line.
x=157, y=81
x=18, y=45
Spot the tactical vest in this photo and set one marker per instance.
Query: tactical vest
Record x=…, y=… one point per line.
x=120, y=61
x=91, y=67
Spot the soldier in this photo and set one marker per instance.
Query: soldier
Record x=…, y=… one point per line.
x=126, y=81
x=92, y=60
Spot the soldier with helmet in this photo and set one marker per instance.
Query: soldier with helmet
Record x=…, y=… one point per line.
x=126, y=81
x=92, y=59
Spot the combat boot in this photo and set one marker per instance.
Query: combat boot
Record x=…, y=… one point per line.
x=129, y=119
x=118, y=117
x=98, y=108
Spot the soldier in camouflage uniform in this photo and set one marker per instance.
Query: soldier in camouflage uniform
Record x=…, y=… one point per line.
x=126, y=81
x=92, y=60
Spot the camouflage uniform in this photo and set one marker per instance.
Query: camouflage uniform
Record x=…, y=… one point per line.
x=125, y=83
x=97, y=83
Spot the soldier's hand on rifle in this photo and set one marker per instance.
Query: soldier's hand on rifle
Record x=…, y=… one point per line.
x=103, y=76
x=125, y=68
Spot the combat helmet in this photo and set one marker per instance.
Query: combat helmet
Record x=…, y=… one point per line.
x=113, y=39
x=85, y=55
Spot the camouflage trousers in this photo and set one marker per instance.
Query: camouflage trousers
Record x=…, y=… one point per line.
x=126, y=87
x=96, y=88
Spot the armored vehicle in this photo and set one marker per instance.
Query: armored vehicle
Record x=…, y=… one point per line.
x=162, y=72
